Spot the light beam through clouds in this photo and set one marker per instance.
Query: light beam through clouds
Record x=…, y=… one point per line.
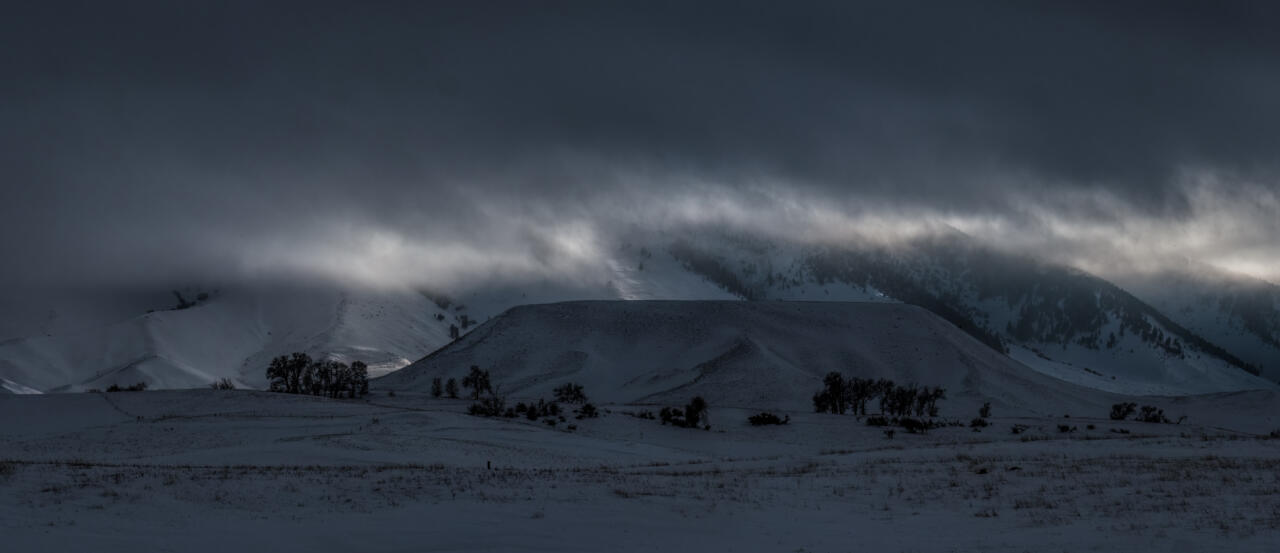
x=154, y=142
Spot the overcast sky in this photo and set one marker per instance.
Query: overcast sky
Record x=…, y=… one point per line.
x=418, y=141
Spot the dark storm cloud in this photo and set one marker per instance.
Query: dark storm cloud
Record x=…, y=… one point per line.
x=167, y=139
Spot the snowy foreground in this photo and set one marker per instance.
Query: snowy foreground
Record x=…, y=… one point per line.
x=234, y=470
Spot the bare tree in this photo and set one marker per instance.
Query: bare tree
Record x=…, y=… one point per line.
x=360, y=378
x=478, y=381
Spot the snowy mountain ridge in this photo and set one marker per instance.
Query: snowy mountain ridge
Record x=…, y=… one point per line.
x=1059, y=321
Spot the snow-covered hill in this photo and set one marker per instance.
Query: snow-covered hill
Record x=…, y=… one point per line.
x=70, y=341
x=1060, y=321
x=233, y=333
x=745, y=354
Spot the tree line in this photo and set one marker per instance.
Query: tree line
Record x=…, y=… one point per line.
x=489, y=403
x=1150, y=413
x=694, y=415
x=840, y=395
x=298, y=373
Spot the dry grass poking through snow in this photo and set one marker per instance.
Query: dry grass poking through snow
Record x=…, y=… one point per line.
x=82, y=476
x=1023, y=484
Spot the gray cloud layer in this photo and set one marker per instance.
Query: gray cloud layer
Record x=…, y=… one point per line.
x=172, y=140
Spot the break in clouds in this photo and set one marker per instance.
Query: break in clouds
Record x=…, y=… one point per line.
x=426, y=143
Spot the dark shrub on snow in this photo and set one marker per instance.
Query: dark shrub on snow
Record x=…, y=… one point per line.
x=588, y=411
x=491, y=406
x=571, y=393
x=1121, y=411
x=767, y=418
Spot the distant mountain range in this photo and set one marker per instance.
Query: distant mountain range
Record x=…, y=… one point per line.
x=1167, y=334
x=1059, y=320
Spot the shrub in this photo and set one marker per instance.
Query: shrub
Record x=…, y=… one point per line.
x=877, y=421
x=692, y=416
x=913, y=426
x=491, y=406
x=1121, y=411
x=138, y=387
x=437, y=387
x=542, y=408
x=767, y=418
x=223, y=384
x=571, y=393
x=1019, y=428
x=1151, y=413
x=979, y=423
x=985, y=411
x=587, y=411
x=1066, y=429
x=669, y=415
x=451, y=388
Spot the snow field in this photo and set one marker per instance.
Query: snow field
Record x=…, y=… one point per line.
x=208, y=470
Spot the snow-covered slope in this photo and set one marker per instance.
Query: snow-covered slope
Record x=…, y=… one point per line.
x=746, y=354
x=69, y=341
x=11, y=387
x=1061, y=321
x=233, y=334
x=1239, y=313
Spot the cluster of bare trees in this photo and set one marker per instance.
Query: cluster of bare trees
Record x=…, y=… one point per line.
x=571, y=393
x=840, y=395
x=299, y=374
x=694, y=415
x=1149, y=413
x=489, y=403
x=439, y=387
